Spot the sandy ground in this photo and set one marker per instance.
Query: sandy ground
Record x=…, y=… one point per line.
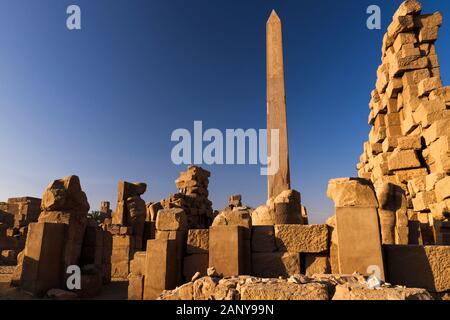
x=116, y=290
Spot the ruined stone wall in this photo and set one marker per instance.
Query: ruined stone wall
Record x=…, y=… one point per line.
x=409, y=142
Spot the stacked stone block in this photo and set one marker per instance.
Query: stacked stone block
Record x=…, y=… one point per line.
x=192, y=197
x=409, y=142
x=57, y=241
x=197, y=253
x=126, y=232
x=289, y=249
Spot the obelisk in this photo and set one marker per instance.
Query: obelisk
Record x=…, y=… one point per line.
x=276, y=106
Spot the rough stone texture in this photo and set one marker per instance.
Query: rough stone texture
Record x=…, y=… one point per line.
x=192, y=197
x=238, y=216
x=121, y=254
x=297, y=287
x=276, y=108
x=263, y=239
x=229, y=250
x=171, y=220
x=275, y=264
x=195, y=263
x=317, y=264
x=352, y=192
x=160, y=268
x=197, y=241
x=349, y=292
x=287, y=291
x=302, y=238
x=135, y=287
x=419, y=266
x=65, y=195
x=359, y=245
x=410, y=118
x=285, y=208
x=41, y=268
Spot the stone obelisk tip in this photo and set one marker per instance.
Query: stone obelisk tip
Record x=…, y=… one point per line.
x=273, y=17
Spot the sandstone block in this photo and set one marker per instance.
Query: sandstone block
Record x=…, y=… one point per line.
x=238, y=216
x=419, y=266
x=284, y=291
x=301, y=238
x=229, y=251
x=130, y=189
x=353, y=192
x=428, y=20
x=409, y=7
x=402, y=39
x=442, y=189
x=423, y=200
x=428, y=85
x=195, y=263
x=65, y=194
x=135, y=287
x=275, y=264
x=41, y=266
x=263, y=239
x=409, y=143
x=436, y=130
x=160, y=268
x=197, y=241
x=394, y=87
x=403, y=159
x=359, y=245
x=171, y=220
x=400, y=24
x=317, y=264
x=349, y=292
x=137, y=265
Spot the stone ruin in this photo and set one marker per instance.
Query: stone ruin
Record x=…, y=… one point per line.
x=408, y=150
x=388, y=230
x=15, y=215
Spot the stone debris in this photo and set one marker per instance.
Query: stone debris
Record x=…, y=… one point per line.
x=410, y=118
x=296, y=287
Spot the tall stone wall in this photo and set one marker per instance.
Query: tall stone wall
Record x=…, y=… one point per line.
x=409, y=142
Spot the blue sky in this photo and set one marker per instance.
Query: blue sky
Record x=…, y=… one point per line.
x=102, y=102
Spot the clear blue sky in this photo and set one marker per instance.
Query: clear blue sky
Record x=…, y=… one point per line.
x=102, y=102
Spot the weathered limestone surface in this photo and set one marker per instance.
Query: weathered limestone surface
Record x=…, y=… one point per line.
x=357, y=227
x=302, y=238
x=419, y=266
x=160, y=268
x=285, y=208
x=352, y=192
x=41, y=267
x=263, y=239
x=197, y=241
x=349, y=292
x=359, y=245
x=229, y=250
x=275, y=264
x=317, y=264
